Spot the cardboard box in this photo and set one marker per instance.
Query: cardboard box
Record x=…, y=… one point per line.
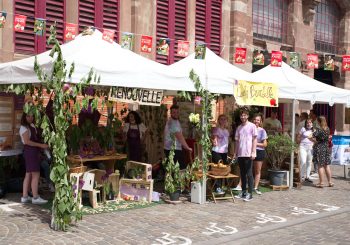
x=6, y=141
x=146, y=174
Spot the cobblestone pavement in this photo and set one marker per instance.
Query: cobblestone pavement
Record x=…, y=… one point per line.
x=307, y=216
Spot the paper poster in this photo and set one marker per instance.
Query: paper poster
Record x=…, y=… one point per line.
x=19, y=23
x=240, y=55
x=258, y=57
x=340, y=150
x=255, y=93
x=346, y=63
x=312, y=61
x=276, y=58
x=146, y=44
x=182, y=48
x=127, y=40
x=39, y=26
x=163, y=46
x=200, y=51
x=329, y=62
x=70, y=31
x=108, y=35
x=3, y=15
x=139, y=96
x=294, y=60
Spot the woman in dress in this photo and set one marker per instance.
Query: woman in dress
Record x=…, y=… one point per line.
x=305, y=149
x=31, y=152
x=134, y=133
x=321, y=152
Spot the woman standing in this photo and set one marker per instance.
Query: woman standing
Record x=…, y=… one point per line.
x=260, y=151
x=321, y=153
x=31, y=152
x=134, y=133
x=305, y=149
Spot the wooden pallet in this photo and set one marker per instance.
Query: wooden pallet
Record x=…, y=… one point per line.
x=279, y=187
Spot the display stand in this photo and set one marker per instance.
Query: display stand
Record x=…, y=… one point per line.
x=226, y=183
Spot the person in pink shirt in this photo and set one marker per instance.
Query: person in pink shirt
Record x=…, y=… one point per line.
x=245, y=151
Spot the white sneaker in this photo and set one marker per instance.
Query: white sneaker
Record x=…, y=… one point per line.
x=237, y=188
x=38, y=200
x=26, y=199
x=257, y=191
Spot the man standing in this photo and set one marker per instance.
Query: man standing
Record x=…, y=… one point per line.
x=173, y=127
x=245, y=151
x=271, y=124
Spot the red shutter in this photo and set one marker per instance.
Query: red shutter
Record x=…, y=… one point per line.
x=215, y=28
x=180, y=24
x=162, y=26
x=86, y=14
x=200, y=20
x=55, y=11
x=111, y=16
x=25, y=41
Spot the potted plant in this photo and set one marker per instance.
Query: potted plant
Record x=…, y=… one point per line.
x=279, y=147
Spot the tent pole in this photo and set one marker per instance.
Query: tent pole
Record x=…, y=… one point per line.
x=291, y=167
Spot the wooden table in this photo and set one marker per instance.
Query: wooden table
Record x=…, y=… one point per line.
x=227, y=181
x=108, y=160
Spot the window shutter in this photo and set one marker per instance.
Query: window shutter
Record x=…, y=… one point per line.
x=86, y=14
x=111, y=16
x=215, y=28
x=200, y=20
x=180, y=24
x=55, y=11
x=162, y=27
x=25, y=41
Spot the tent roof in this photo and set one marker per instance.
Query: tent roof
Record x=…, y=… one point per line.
x=213, y=71
x=116, y=66
x=295, y=85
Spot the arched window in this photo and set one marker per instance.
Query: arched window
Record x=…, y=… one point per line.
x=327, y=27
x=270, y=19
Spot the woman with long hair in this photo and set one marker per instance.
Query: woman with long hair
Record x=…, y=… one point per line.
x=321, y=152
x=31, y=152
x=305, y=149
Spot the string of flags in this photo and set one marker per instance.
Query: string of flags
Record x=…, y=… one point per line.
x=128, y=39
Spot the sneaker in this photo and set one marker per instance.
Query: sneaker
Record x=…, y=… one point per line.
x=308, y=180
x=257, y=191
x=237, y=188
x=219, y=191
x=38, y=200
x=26, y=199
x=248, y=197
x=241, y=195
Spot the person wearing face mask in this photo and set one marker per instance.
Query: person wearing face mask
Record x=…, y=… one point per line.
x=305, y=149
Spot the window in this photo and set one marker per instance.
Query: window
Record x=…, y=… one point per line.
x=52, y=10
x=270, y=20
x=110, y=16
x=171, y=23
x=208, y=23
x=327, y=27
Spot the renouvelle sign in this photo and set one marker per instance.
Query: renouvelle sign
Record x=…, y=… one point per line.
x=140, y=96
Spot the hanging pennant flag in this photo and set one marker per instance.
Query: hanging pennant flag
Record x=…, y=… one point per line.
x=200, y=51
x=240, y=55
x=108, y=35
x=39, y=26
x=3, y=15
x=127, y=40
x=346, y=63
x=19, y=23
x=146, y=44
x=70, y=31
x=329, y=62
x=258, y=57
x=276, y=58
x=294, y=60
x=312, y=61
x=163, y=46
x=182, y=48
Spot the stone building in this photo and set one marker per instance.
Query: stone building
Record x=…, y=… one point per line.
x=303, y=26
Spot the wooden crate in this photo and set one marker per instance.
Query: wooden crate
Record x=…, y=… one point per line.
x=136, y=189
x=280, y=187
x=146, y=172
x=6, y=113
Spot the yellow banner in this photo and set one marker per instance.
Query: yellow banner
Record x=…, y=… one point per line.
x=255, y=93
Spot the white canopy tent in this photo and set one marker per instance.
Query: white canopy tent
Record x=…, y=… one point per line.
x=216, y=74
x=116, y=66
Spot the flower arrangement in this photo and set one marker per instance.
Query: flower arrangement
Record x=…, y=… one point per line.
x=194, y=119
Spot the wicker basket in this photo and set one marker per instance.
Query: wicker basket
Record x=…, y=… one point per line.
x=78, y=169
x=219, y=169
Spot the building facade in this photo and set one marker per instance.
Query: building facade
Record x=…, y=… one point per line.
x=303, y=26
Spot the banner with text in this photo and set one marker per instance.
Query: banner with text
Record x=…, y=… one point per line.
x=140, y=96
x=340, y=150
x=255, y=93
